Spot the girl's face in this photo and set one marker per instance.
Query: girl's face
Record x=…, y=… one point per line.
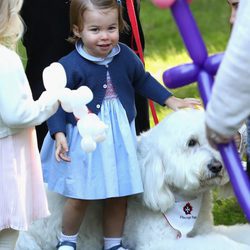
x=100, y=31
x=234, y=6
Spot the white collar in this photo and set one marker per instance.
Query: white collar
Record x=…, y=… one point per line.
x=99, y=60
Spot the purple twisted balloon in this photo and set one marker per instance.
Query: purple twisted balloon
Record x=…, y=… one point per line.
x=203, y=70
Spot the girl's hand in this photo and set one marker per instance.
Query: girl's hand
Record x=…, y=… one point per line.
x=176, y=103
x=61, y=147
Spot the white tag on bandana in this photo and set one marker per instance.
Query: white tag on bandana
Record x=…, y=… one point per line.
x=183, y=215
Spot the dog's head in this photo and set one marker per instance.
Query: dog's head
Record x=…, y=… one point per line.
x=175, y=157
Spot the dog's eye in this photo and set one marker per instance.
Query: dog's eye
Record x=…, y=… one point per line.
x=192, y=142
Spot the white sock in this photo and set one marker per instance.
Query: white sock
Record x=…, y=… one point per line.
x=111, y=242
x=65, y=248
x=71, y=238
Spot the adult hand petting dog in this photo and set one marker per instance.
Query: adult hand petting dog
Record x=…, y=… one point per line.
x=215, y=138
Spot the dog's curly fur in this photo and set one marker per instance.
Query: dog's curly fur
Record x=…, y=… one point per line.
x=175, y=159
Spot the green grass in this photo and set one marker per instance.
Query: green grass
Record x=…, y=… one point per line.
x=163, y=42
x=164, y=46
x=227, y=211
x=165, y=49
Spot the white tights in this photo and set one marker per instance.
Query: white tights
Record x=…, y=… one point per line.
x=8, y=238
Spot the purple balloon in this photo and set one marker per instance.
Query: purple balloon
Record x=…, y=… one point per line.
x=212, y=63
x=203, y=70
x=180, y=75
x=238, y=177
x=205, y=82
x=189, y=31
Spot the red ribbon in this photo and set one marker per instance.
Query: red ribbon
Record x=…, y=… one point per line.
x=135, y=31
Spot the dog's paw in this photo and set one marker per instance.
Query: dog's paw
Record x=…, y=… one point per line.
x=204, y=229
x=192, y=234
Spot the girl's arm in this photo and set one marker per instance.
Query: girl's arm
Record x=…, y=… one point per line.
x=17, y=107
x=148, y=86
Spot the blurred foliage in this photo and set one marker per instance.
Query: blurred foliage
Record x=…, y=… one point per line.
x=162, y=36
x=227, y=211
x=164, y=46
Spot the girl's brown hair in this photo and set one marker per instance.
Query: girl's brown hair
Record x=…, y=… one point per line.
x=78, y=7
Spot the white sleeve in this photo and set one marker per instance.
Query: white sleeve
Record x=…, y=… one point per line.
x=230, y=102
x=17, y=107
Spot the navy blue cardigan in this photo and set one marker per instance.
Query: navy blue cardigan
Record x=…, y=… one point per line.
x=127, y=75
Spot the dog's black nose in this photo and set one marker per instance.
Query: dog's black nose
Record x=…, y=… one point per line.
x=215, y=166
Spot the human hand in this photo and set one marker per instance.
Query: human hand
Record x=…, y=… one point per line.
x=176, y=103
x=242, y=139
x=215, y=138
x=61, y=147
x=237, y=139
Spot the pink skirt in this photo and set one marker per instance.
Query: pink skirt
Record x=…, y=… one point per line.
x=22, y=194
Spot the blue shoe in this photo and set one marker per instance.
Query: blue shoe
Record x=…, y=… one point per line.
x=118, y=247
x=66, y=243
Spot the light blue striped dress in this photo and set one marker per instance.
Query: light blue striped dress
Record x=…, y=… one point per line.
x=111, y=170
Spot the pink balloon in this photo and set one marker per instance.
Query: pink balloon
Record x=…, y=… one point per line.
x=163, y=3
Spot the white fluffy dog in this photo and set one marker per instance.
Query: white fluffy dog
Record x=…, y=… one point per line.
x=178, y=169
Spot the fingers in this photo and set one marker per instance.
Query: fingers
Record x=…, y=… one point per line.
x=61, y=152
x=177, y=103
x=192, y=103
x=237, y=139
x=215, y=138
x=61, y=147
x=193, y=100
x=64, y=157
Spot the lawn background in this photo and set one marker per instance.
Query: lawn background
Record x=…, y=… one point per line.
x=164, y=46
x=165, y=49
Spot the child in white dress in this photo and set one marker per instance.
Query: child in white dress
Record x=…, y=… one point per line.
x=23, y=197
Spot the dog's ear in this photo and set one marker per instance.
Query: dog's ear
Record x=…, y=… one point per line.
x=157, y=195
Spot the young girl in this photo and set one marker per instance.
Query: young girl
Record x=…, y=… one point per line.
x=114, y=73
x=21, y=186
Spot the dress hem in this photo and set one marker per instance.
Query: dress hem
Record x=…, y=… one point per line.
x=96, y=198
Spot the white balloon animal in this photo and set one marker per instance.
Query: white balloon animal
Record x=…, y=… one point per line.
x=90, y=127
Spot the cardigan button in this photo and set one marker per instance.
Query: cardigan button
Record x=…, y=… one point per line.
x=98, y=106
x=105, y=86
